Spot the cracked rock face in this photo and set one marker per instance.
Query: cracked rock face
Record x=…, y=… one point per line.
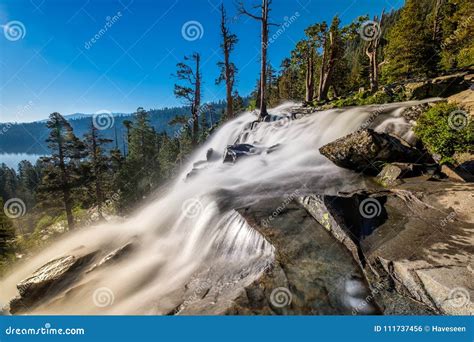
x=418, y=255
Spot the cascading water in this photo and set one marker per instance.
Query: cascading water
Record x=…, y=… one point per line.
x=189, y=240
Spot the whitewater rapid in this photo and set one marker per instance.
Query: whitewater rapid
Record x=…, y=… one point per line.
x=188, y=234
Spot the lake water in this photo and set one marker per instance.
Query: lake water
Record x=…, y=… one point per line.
x=12, y=159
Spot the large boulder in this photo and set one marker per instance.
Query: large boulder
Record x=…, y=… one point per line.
x=235, y=152
x=442, y=86
x=415, y=241
x=48, y=280
x=312, y=275
x=367, y=151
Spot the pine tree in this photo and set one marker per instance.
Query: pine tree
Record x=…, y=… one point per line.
x=7, y=234
x=168, y=156
x=410, y=51
x=191, y=91
x=63, y=169
x=457, y=34
x=238, y=103
x=140, y=173
x=100, y=164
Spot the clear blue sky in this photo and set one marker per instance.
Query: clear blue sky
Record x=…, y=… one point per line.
x=130, y=65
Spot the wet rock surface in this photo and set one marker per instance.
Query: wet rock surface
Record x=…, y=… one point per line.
x=235, y=152
x=367, y=151
x=312, y=274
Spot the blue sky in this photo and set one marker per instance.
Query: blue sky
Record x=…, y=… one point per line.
x=54, y=66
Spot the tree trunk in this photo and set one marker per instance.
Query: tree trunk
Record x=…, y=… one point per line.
x=263, y=66
x=436, y=20
x=65, y=186
x=310, y=77
x=95, y=161
x=197, y=101
x=326, y=73
x=322, y=71
x=372, y=53
x=229, y=77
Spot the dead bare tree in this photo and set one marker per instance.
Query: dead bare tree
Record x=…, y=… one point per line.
x=371, y=51
x=228, y=69
x=263, y=18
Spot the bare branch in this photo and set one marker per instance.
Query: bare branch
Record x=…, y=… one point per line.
x=242, y=11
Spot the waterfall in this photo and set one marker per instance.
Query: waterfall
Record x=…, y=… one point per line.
x=189, y=235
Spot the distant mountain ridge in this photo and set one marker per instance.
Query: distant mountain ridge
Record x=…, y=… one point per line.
x=30, y=137
x=78, y=116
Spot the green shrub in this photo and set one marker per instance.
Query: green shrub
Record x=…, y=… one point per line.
x=446, y=129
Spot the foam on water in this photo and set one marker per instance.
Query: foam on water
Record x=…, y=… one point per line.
x=185, y=231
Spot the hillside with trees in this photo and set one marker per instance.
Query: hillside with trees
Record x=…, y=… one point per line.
x=111, y=171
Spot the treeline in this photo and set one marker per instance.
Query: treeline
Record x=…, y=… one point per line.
x=23, y=137
x=425, y=38
x=85, y=172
